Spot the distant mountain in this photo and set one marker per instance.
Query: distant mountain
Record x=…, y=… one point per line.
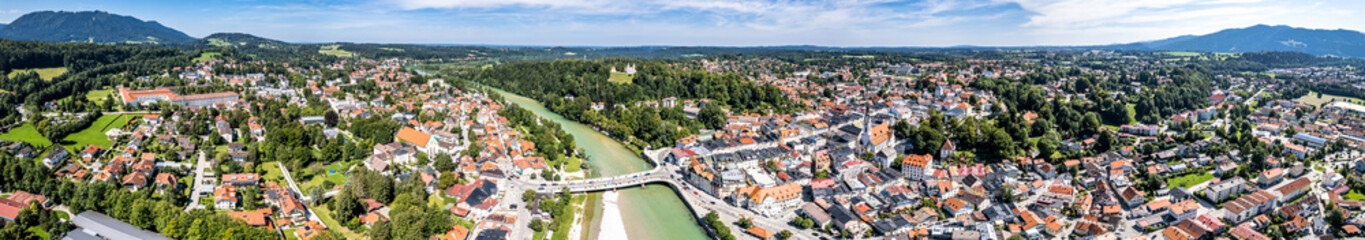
x=89, y=26
x=1341, y=42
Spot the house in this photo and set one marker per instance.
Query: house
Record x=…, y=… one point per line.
x=25, y=198
x=456, y=233
x=255, y=218
x=310, y=229
x=55, y=156
x=1225, y=189
x=241, y=179
x=1132, y=197
x=95, y=225
x=1248, y=206
x=915, y=167
x=225, y=197
x=166, y=181
x=947, y=150
x=9, y=209
x=957, y=207
x=1294, y=189
x=771, y=201
x=1270, y=177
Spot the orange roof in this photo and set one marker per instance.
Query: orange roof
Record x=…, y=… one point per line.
x=760, y=232
x=918, y=161
x=456, y=233
x=417, y=138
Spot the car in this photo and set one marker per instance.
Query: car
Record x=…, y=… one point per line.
x=514, y=207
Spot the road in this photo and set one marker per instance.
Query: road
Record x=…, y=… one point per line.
x=199, y=181
x=295, y=186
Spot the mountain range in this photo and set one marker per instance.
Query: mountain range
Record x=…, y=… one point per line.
x=104, y=27
x=89, y=26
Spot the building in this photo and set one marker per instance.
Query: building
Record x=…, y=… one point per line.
x=207, y=99
x=1248, y=206
x=95, y=225
x=915, y=167
x=145, y=96
x=771, y=201
x=1225, y=189
x=241, y=179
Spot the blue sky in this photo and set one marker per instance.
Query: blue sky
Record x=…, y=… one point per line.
x=719, y=22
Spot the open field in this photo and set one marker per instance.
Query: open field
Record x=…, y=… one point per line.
x=27, y=133
x=620, y=77
x=208, y=56
x=272, y=172
x=97, y=96
x=1353, y=195
x=95, y=133
x=334, y=50
x=45, y=73
x=1313, y=99
x=1188, y=180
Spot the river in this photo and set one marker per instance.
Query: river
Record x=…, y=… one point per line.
x=652, y=213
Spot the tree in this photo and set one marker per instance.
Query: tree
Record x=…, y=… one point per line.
x=528, y=195
x=712, y=117
x=745, y=223
x=537, y=224
x=785, y=234
x=445, y=163
x=330, y=118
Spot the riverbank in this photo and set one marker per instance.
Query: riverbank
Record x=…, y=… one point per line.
x=613, y=226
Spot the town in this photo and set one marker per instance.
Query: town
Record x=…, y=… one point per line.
x=1132, y=145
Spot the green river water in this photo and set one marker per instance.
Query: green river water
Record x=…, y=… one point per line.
x=655, y=212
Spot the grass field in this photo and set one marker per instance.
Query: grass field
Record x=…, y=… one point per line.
x=27, y=133
x=289, y=234
x=97, y=96
x=208, y=56
x=620, y=77
x=1313, y=99
x=272, y=172
x=219, y=42
x=1353, y=195
x=95, y=133
x=40, y=232
x=1189, y=180
x=334, y=50
x=573, y=165
x=45, y=73
x=332, y=224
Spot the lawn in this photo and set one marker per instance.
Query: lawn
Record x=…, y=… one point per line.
x=40, y=232
x=1313, y=99
x=1354, y=196
x=334, y=50
x=27, y=133
x=620, y=77
x=289, y=234
x=95, y=133
x=272, y=172
x=208, y=56
x=97, y=96
x=45, y=73
x=1189, y=180
x=574, y=165
x=332, y=224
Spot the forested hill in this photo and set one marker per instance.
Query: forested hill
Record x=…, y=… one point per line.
x=89, y=26
x=1321, y=42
